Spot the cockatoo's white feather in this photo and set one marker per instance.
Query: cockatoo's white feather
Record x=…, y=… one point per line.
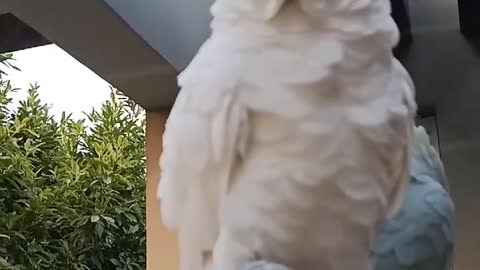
x=425, y=159
x=290, y=138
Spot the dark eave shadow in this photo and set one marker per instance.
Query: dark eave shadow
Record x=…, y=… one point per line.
x=16, y=35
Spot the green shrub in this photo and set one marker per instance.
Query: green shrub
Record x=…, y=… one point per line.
x=71, y=196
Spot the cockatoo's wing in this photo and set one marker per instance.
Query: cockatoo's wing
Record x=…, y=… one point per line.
x=421, y=236
x=401, y=168
x=205, y=136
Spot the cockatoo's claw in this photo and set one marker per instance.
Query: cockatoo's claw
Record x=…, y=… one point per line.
x=264, y=265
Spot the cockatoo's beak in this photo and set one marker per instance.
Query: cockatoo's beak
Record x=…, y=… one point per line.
x=272, y=8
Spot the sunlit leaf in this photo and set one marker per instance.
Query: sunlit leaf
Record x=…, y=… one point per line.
x=94, y=219
x=72, y=196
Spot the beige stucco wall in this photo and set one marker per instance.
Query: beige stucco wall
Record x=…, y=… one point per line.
x=162, y=246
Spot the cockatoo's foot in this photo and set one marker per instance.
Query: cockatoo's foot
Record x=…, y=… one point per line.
x=264, y=265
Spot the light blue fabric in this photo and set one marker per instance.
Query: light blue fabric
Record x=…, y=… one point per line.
x=420, y=237
x=264, y=265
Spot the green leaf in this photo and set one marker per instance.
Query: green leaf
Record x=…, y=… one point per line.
x=133, y=229
x=131, y=217
x=99, y=229
x=83, y=221
x=109, y=219
x=20, y=235
x=94, y=218
x=4, y=236
x=108, y=180
x=32, y=132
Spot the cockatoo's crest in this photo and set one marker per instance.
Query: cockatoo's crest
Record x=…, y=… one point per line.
x=262, y=10
x=426, y=161
x=268, y=9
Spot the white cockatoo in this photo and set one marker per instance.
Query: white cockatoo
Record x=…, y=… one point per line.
x=289, y=140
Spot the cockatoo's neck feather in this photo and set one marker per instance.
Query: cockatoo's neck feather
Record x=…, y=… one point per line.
x=350, y=36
